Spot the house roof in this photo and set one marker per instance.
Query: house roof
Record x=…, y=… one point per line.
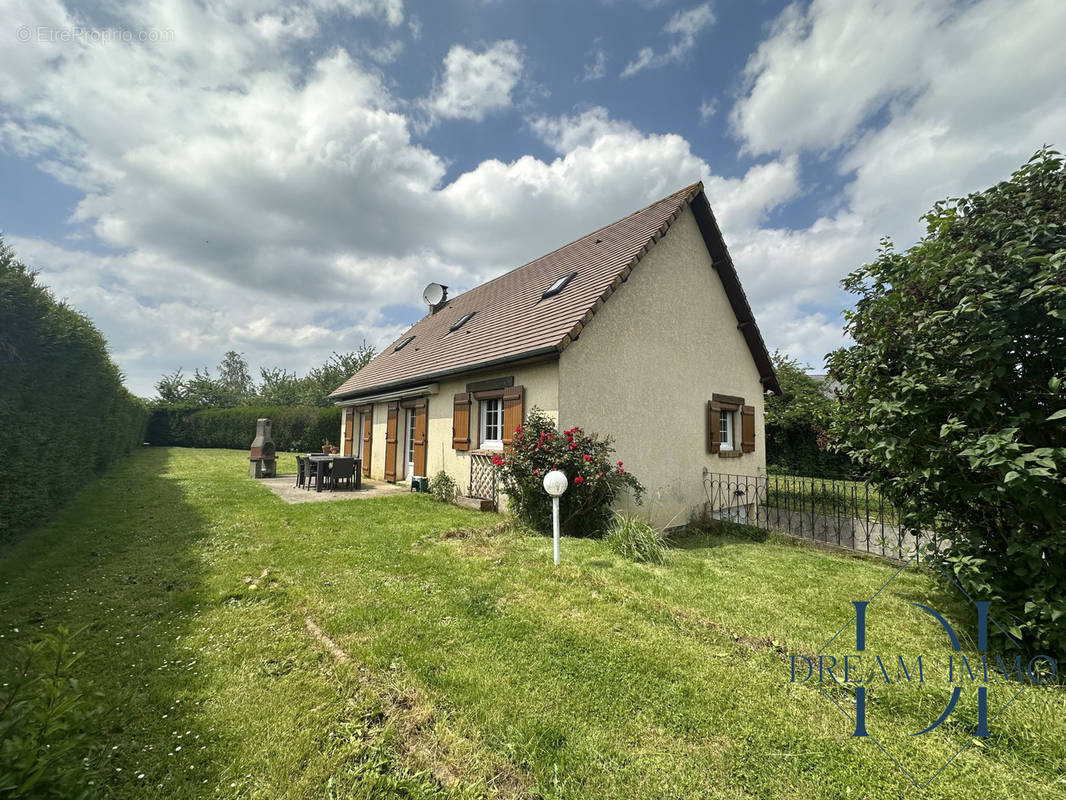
x=512, y=321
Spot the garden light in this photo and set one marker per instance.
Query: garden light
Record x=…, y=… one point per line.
x=555, y=484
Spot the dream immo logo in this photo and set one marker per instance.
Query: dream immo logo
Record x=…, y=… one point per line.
x=864, y=670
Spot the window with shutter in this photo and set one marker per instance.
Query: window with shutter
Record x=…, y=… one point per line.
x=391, y=434
x=461, y=422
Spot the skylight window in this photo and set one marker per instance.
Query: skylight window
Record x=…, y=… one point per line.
x=558, y=286
x=402, y=344
x=461, y=321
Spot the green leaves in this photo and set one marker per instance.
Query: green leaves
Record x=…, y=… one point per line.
x=954, y=400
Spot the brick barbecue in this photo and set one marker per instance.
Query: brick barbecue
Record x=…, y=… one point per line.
x=262, y=462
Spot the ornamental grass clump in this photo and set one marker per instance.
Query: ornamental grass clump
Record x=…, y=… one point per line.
x=596, y=479
x=636, y=539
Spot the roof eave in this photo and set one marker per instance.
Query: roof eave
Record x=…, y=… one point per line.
x=540, y=353
x=723, y=263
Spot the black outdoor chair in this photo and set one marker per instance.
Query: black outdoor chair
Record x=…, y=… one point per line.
x=343, y=470
x=301, y=471
x=311, y=472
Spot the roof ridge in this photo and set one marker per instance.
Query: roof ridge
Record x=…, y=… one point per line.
x=689, y=192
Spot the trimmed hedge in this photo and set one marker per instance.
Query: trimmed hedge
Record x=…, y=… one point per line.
x=61, y=398
x=293, y=428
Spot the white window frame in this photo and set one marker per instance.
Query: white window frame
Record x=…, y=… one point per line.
x=487, y=443
x=727, y=429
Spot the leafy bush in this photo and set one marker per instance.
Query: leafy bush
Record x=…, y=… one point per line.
x=954, y=398
x=636, y=539
x=586, y=459
x=60, y=393
x=45, y=713
x=443, y=488
x=293, y=428
x=796, y=424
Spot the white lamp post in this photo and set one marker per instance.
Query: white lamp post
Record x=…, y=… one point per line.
x=555, y=484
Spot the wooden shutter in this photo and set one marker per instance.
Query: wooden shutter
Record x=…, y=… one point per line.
x=461, y=422
x=421, y=423
x=512, y=413
x=714, y=432
x=747, y=416
x=391, y=427
x=349, y=431
x=368, y=440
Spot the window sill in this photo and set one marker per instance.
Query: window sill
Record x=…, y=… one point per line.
x=487, y=451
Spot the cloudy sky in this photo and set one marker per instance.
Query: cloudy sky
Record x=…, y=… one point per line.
x=283, y=178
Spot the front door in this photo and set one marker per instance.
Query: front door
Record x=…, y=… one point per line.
x=409, y=445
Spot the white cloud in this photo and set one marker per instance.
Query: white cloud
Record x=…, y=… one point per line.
x=682, y=28
x=708, y=108
x=597, y=68
x=475, y=84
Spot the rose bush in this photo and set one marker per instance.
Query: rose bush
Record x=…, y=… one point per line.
x=596, y=479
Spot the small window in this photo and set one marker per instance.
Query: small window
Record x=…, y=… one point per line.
x=461, y=321
x=403, y=344
x=492, y=424
x=725, y=430
x=558, y=286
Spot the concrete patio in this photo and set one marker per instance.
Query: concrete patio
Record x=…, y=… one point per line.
x=284, y=486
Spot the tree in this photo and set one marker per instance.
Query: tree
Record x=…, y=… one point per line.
x=338, y=368
x=797, y=421
x=953, y=396
x=278, y=387
x=173, y=388
x=235, y=379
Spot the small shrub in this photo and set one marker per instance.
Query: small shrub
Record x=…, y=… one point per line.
x=595, y=479
x=636, y=539
x=44, y=714
x=443, y=488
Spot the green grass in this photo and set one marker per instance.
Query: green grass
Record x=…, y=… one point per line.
x=476, y=668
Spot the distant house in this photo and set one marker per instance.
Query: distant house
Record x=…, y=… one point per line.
x=640, y=330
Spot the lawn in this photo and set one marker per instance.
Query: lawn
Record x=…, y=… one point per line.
x=464, y=664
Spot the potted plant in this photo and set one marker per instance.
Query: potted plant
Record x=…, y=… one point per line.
x=325, y=446
x=334, y=449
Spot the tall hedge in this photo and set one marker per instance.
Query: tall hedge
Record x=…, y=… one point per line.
x=64, y=413
x=293, y=428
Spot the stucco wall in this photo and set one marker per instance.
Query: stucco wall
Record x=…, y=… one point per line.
x=541, y=389
x=645, y=367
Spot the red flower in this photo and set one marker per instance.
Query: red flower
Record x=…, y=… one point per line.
x=579, y=479
x=587, y=457
x=619, y=463
x=600, y=474
x=497, y=461
x=536, y=471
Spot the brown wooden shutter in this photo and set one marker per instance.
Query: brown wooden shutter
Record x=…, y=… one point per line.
x=747, y=416
x=461, y=422
x=368, y=440
x=349, y=431
x=513, y=413
x=391, y=428
x=421, y=423
x=714, y=433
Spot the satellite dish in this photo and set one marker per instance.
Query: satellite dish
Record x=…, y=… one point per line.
x=433, y=294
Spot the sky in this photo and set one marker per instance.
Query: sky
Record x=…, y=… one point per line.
x=283, y=179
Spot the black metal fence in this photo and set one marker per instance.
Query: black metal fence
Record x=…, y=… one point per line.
x=848, y=514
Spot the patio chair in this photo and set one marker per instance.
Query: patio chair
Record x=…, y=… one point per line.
x=343, y=470
x=311, y=469
x=301, y=471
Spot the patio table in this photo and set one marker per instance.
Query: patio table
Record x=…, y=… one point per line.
x=324, y=460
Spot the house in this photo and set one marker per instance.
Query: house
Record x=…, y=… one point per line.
x=639, y=330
